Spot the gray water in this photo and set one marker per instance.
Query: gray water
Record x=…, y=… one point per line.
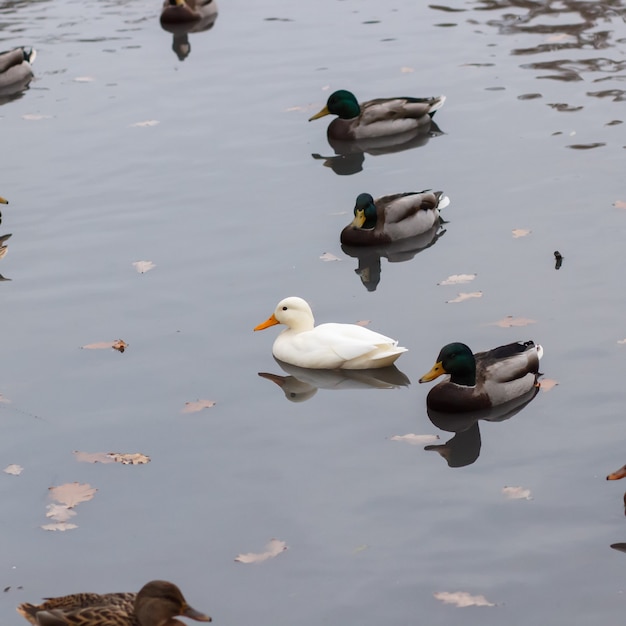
x=224, y=197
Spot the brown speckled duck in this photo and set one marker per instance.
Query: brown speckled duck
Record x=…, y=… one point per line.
x=376, y=118
x=391, y=218
x=157, y=604
x=482, y=380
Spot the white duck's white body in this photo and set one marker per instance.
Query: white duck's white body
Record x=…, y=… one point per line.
x=327, y=346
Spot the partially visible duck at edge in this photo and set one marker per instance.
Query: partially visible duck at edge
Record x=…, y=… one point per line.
x=394, y=217
x=376, y=118
x=157, y=604
x=482, y=380
x=185, y=11
x=15, y=69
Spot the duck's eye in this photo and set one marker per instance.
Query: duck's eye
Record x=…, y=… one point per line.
x=284, y=308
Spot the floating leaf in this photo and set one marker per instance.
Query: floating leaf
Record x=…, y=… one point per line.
x=510, y=321
x=272, y=549
x=621, y=341
x=363, y=322
x=84, y=79
x=145, y=123
x=462, y=599
x=520, y=232
x=59, y=526
x=415, y=440
x=407, y=70
x=546, y=384
x=72, y=494
x=198, y=405
x=119, y=344
x=4, y=399
x=135, y=458
x=465, y=296
x=59, y=512
x=458, y=279
x=35, y=116
x=144, y=266
x=360, y=548
x=517, y=493
x=13, y=469
x=327, y=256
x=620, y=204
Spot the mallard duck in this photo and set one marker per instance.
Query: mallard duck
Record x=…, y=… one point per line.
x=394, y=217
x=482, y=380
x=327, y=346
x=616, y=475
x=3, y=200
x=185, y=11
x=15, y=69
x=376, y=118
x=156, y=604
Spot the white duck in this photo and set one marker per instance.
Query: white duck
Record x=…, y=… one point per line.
x=327, y=346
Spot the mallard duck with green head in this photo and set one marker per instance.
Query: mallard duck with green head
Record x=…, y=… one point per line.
x=157, y=604
x=376, y=118
x=186, y=11
x=482, y=380
x=15, y=69
x=394, y=217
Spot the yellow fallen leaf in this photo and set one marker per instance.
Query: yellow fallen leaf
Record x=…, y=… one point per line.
x=520, y=232
x=546, y=384
x=462, y=599
x=72, y=494
x=327, y=256
x=510, y=321
x=144, y=266
x=13, y=469
x=198, y=405
x=272, y=549
x=465, y=296
x=458, y=279
x=517, y=493
x=415, y=440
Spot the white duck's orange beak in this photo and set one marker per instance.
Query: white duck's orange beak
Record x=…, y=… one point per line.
x=270, y=321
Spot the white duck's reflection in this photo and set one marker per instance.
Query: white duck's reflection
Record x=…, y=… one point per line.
x=464, y=448
x=302, y=384
x=181, y=17
x=369, y=268
x=350, y=155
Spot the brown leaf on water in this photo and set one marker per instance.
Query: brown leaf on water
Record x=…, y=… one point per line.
x=72, y=494
x=465, y=296
x=520, y=232
x=13, y=469
x=415, y=440
x=327, y=256
x=546, y=384
x=620, y=204
x=510, y=321
x=462, y=599
x=517, y=493
x=198, y=405
x=143, y=266
x=363, y=322
x=135, y=458
x=119, y=344
x=59, y=526
x=272, y=549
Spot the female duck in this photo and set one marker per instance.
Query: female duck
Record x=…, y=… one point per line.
x=391, y=218
x=377, y=118
x=185, y=11
x=327, y=346
x=15, y=69
x=482, y=380
x=156, y=604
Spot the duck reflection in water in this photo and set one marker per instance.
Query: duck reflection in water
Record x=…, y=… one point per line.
x=464, y=448
x=350, y=155
x=301, y=384
x=181, y=17
x=369, y=267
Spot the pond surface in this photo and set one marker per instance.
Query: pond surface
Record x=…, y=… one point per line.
x=234, y=197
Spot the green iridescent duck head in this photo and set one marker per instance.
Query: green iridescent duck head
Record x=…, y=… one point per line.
x=364, y=212
x=341, y=103
x=457, y=360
